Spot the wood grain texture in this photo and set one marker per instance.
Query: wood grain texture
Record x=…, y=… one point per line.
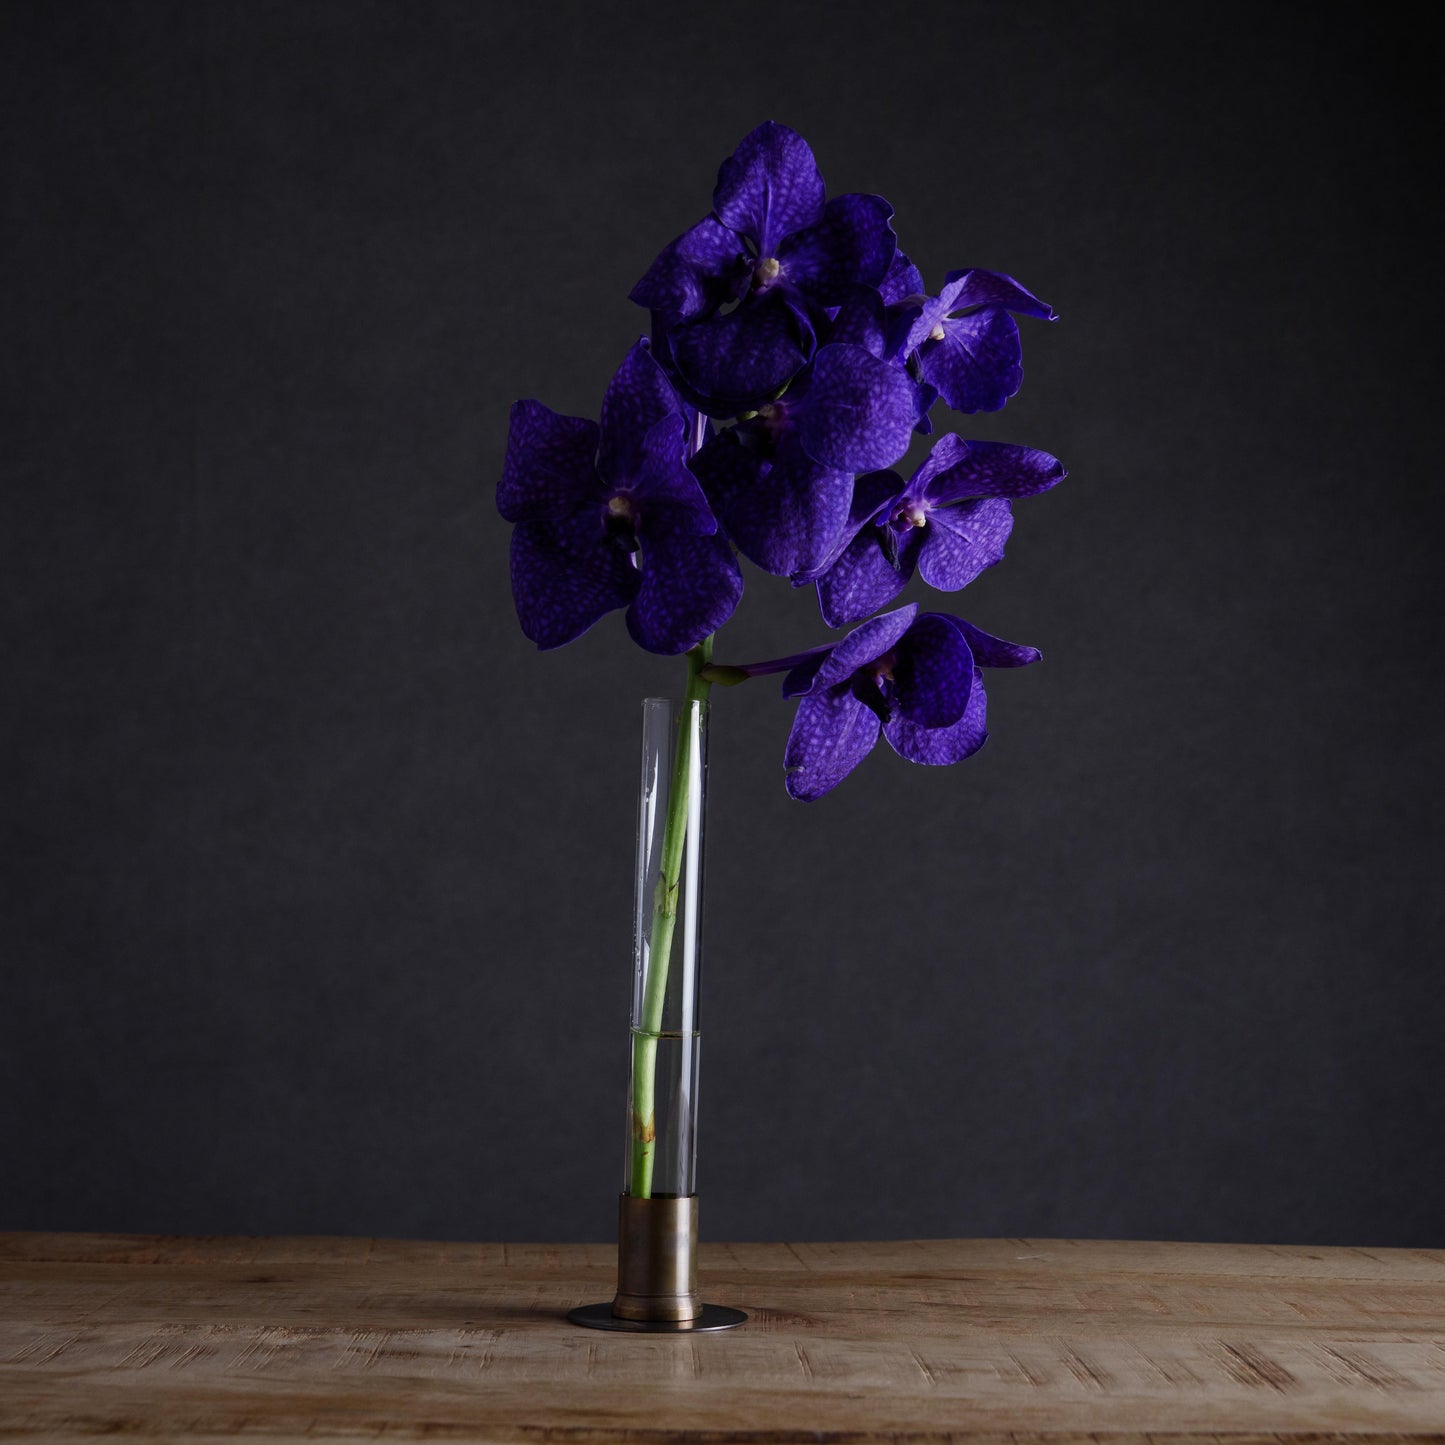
x=982, y=1341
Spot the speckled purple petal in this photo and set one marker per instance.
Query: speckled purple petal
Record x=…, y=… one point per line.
x=637, y=398
x=927, y=395
x=973, y=287
x=937, y=747
x=933, y=672
x=859, y=413
x=963, y=540
x=704, y=268
x=861, y=580
x=949, y=292
x=735, y=362
x=663, y=490
x=832, y=733
x=769, y=187
x=690, y=587
x=979, y=363
x=550, y=467
x=783, y=512
x=986, y=469
x=803, y=676
x=990, y=651
x=853, y=243
x=565, y=575
x=931, y=311
x=865, y=643
x=899, y=320
x=947, y=451
x=902, y=281
x=872, y=492
x=861, y=321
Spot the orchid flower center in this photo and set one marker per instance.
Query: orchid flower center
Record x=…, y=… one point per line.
x=910, y=514
x=774, y=417
x=767, y=271
x=937, y=333
x=620, y=523
x=874, y=686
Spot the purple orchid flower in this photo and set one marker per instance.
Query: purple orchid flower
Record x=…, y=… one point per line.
x=781, y=251
x=948, y=522
x=781, y=480
x=913, y=678
x=964, y=341
x=611, y=517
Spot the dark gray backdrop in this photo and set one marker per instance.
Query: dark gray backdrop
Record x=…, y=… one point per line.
x=316, y=875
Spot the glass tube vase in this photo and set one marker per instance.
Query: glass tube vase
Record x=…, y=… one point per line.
x=660, y=1155
x=658, y=1209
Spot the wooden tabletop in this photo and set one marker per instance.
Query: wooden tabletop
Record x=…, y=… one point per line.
x=926, y=1340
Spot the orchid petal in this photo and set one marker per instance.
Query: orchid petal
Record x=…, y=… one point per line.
x=860, y=411
x=861, y=321
x=962, y=541
x=978, y=364
x=803, y=676
x=926, y=314
x=986, y=469
x=783, y=512
x=550, y=467
x=975, y=287
x=704, y=268
x=990, y=651
x=853, y=243
x=664, y=492
x=933, y=672
x=861, y=581
x=832, y=733
x=904, y=280
x=565, y=575
x=866, y=644
x=735, y=361
x=638, y=396
x=947, y=451
x=690, y=587
x=927, y=395
x=937, y=747
x=769, y=187
x=872, y=492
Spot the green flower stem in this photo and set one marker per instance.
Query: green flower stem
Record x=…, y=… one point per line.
x=648, y=1029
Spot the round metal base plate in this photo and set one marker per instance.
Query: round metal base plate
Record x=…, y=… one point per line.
x=600, y=1317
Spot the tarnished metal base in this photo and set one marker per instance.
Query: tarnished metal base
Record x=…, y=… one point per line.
x=657, y=1258
x=657, y=1272
x=712, y=1318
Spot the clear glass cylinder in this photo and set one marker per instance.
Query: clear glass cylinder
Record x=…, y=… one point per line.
x=661, y=1157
